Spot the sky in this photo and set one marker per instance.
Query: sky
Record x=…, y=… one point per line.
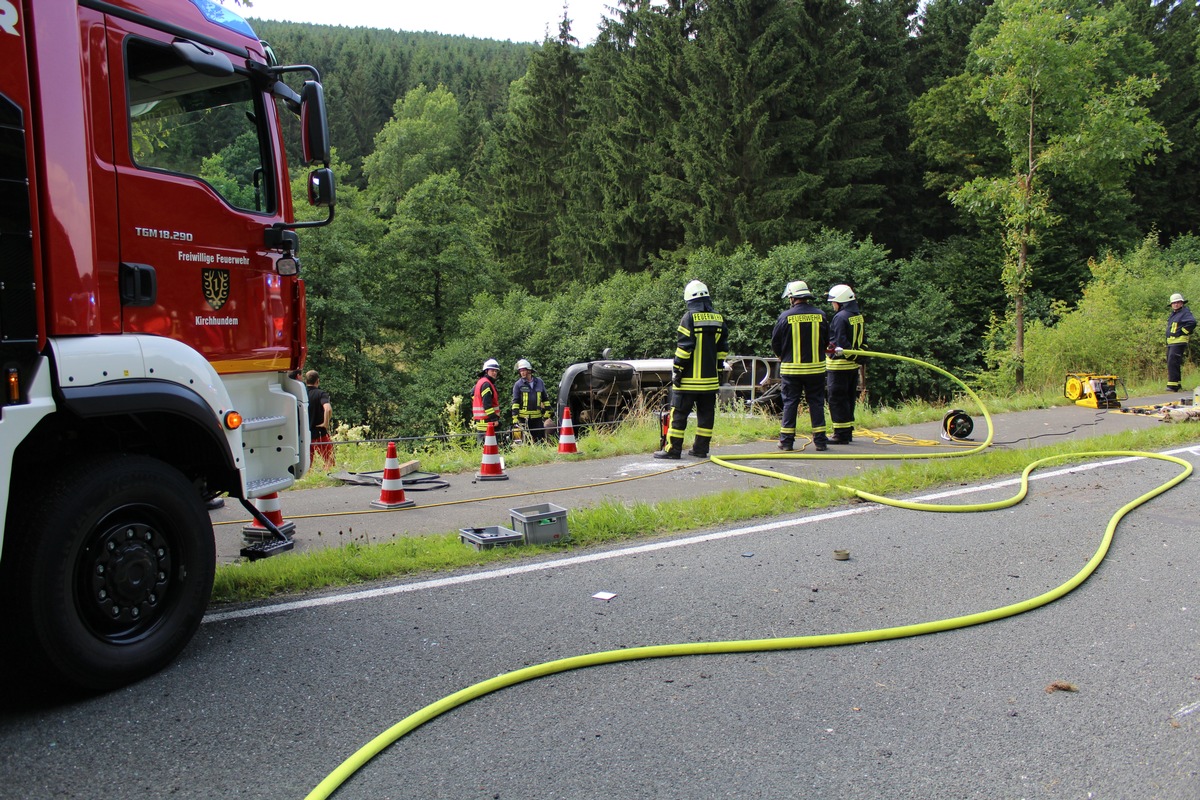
x=514, y=20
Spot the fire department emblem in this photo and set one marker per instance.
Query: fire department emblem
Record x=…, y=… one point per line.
x=216, y=287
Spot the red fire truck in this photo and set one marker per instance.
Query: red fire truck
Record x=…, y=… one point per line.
x=150, y=311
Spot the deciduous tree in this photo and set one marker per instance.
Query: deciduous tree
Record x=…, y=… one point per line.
x=1054, y=82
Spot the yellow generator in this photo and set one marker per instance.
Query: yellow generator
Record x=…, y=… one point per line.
x=1093, y=391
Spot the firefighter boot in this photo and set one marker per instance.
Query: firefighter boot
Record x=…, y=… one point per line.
x=673, y=451
x=700, y=447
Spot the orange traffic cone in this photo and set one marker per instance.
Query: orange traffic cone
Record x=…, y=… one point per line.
x=392, y=494
x=566, y=433
x=268, y=504
x=491, y=469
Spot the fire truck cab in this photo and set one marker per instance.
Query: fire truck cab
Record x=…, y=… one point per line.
x=150, y=310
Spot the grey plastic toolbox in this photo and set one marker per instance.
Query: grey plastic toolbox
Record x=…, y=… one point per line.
x=545, y=523
x=489, y=537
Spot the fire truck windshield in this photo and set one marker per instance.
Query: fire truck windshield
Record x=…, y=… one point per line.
x=187, y=122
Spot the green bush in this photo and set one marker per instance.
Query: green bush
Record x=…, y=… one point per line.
x=1119, y=325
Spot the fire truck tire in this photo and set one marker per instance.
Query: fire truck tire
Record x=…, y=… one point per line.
x=118, y=572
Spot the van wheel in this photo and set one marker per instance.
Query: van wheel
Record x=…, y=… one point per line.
x=612, y=371
x=116, y=571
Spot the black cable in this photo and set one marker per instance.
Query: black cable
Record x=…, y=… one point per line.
x=1096, y=421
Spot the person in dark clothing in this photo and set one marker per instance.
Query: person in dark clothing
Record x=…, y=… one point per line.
x=696, y=372
x=846, y=332
x=1180, y=325
x=320, y=414
x=530, y=404
x=485, y=400
x=799, y=339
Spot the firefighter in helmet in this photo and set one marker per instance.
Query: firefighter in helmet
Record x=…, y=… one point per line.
x=846, y=332
x=530, y=405
x=485, y=400
x=1180, y=325
x=799, y=339
x=696, y=373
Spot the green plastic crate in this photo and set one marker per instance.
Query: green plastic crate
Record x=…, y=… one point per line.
x=545, y=523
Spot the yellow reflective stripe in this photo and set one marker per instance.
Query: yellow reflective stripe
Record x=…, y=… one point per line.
x=278, y=363
x=802, y=368
x=856, y=331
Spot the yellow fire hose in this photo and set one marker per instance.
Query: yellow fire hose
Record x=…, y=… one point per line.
x=351, y=765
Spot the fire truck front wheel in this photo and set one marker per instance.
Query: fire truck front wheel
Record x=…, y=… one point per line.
x=118, y=572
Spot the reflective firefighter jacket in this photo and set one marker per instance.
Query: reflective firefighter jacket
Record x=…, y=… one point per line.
x=529, y=399
x=485, y=403
x=1180, y=325
x=846, y=331
x=702, y=346
x=799, y=340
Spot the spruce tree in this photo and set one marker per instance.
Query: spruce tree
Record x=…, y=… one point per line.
x=530, y=171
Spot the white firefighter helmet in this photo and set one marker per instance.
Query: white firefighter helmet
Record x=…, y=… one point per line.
x=694, y=290
x=1177, y=298
x=796, y=289
x=840, y=294
x=491, y=363
x=524, y=364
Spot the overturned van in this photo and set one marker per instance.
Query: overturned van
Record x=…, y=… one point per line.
x=605, y=391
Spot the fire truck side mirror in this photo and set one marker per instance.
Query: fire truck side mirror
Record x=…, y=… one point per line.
x=314, y=124
x=321, y=191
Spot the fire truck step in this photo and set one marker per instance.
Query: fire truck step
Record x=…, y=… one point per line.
x=265, y=486
x=261, y=423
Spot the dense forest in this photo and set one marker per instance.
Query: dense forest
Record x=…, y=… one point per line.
x=1010, y=188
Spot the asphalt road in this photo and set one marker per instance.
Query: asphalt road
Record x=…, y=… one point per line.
x=268, y=700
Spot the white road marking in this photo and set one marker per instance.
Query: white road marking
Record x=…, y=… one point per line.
x=1190, y=708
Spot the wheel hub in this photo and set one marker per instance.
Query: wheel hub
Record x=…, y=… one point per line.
x=130, y=573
